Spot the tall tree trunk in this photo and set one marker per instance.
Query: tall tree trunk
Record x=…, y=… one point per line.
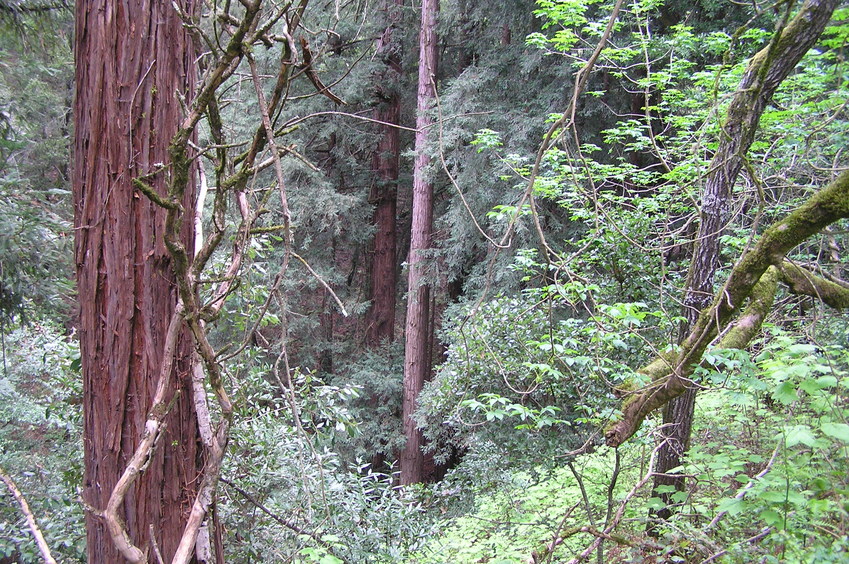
x=767, y=69
x=417, y=363
x=384, y=192
x=133, y=58
x=384, y=195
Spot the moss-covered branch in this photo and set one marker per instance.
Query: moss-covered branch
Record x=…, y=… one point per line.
x=670, y=376
x=800, y=280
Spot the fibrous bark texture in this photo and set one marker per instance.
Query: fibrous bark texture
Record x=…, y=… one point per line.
x=384, y=192
x=133, y=59
x=416, y=358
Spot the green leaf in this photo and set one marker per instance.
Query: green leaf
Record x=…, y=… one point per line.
x=785, y=393
x=810, y=386
x=655, y=503
x=772, y=517
x=772, y=496
x=799, y=434
x=680, y=497
x=838, y=431
x=732, y=506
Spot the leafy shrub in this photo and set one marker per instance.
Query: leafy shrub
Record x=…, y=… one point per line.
x=40, y=434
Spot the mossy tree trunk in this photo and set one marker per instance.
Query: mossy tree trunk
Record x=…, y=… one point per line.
x=766, y=71
x=670, y=373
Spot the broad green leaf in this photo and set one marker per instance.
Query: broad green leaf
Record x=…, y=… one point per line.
x=772, y=496
x=838, y=431
x=732, y=506
x=799, y=434
x=772, y=517
x=655, y=503
x=785, y=393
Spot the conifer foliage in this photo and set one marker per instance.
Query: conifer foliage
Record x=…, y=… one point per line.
x=427, y=281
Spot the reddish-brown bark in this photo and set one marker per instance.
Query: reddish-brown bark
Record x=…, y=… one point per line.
x=384, y=192
x=416, y=359
x=133, y=59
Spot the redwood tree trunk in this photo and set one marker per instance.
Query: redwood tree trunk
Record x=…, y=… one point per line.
x=417, y=363
x=766, y=71
x=132, y=57
x=384, y=192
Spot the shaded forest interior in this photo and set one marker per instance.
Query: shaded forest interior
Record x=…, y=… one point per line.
x=443, y=281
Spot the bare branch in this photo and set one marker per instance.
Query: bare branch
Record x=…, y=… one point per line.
x=31, y=523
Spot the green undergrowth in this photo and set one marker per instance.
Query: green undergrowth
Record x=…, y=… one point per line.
x=512, y=523
x=41, y=442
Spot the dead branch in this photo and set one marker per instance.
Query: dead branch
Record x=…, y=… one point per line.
x=31, y=523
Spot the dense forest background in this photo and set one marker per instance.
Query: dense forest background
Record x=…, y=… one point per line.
x=432, y=282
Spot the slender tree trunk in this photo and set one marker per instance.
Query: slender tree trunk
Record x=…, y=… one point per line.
x=132, y=57
x=417, y=363
x=384, y=195
x=766, y=71
x=384, y=192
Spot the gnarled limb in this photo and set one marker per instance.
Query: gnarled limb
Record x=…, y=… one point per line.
x=823, y=208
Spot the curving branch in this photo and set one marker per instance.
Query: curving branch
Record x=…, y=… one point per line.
x=144, y=452
x=670, y=374
x=802, y=281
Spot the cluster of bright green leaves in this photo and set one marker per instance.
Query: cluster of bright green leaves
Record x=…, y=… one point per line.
x=536, y=372
x=523, y=515
x=769, y=450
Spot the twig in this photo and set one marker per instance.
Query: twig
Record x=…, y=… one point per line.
x=763, y=533
x=33, y=526
x=155, y=545
x=323, y=283
x=284, y=522
x=493, y=242
x=614, y=522
x=748, y=486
